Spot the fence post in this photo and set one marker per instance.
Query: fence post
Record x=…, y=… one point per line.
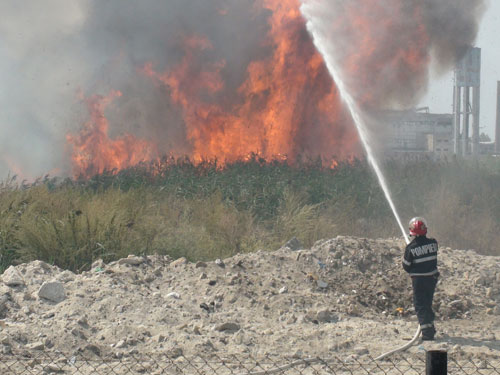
x=436, y=362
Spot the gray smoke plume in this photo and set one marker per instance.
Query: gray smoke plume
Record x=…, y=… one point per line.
x=53, y=50
x=385, y=48
x=38, y=75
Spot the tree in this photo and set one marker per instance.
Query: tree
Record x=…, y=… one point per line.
x=483, y=137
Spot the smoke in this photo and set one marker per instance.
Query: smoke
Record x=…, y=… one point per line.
x=38, y=77
x=385, y=48
x=54, y=53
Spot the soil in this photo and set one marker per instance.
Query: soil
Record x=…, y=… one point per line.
x=343, y=297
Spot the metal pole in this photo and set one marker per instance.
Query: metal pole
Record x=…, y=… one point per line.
x=497, y=132
x=465, y=132
x=475, y=120
x=456, y=134
x=436, y=362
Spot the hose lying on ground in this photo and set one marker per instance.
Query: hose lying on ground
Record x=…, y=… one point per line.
x=402, y=348
x=310, y=361
x=413, y=340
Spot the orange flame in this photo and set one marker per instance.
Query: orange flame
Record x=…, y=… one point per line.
x=94, y=152
x=285, y=106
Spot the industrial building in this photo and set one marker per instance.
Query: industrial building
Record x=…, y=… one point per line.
x=418, y=133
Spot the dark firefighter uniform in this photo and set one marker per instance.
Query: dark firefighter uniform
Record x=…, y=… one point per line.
x=420, y=261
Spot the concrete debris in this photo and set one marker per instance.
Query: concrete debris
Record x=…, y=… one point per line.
x=38, y=345
x=52, y=291
x=228, y=327
x=174, y=295
x=322, y=284
x=293, y=244
x=178, y=262
x=132, y=260
x=326, y=316
x=344, y=296
x=12, y=277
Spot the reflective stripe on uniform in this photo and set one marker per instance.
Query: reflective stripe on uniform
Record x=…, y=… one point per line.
x=406, y=262
x=426, y=259
x=425, y=274
x=424, y=326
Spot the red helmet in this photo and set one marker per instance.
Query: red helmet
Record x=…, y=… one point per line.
x=418, y=226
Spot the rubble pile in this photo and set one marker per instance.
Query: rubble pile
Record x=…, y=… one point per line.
x=344, y=295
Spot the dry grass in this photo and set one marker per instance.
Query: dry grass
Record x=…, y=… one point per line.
x=208, y=213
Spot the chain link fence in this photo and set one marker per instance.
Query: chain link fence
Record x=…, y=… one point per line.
x=57, y=363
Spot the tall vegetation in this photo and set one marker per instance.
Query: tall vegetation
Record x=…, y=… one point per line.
x=204, y=211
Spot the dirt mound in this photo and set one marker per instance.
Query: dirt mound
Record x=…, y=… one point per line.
x=344, y=295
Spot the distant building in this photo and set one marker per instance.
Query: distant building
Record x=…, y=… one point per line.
x=419, y=132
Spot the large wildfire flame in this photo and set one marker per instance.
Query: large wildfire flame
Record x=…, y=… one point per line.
x=286, y=104
x=284, y=97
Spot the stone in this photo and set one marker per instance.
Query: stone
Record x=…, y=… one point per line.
x=3, y=302
x=12, y=277
x=326, y=316
x=54, y=368
x=228, y=327
x=93, y=349
x=220, y=263
x=52, y=291
x=361, y=351
x=201, y=265
x=78, y=333
x=174, y=295
x=456, y=305
x=120, y=344
x=159, y=338
x=33, y=363
x=234, y=279
x=175, y=353
x=38, y=345
x=132, y=260
x=293, y=244
x=322, y=284
x=158, y=272
x=99, y=263
x=6, y=349
x=178, y=262
x=66, y=276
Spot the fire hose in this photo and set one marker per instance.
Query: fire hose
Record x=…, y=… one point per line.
x=310, y=361
x=407, y=345
x=402, y=348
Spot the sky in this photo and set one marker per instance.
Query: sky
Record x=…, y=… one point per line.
x=440, y=96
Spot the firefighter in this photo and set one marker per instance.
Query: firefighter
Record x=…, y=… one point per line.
x=420, y=261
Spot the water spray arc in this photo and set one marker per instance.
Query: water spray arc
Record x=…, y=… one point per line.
x=324, y=49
